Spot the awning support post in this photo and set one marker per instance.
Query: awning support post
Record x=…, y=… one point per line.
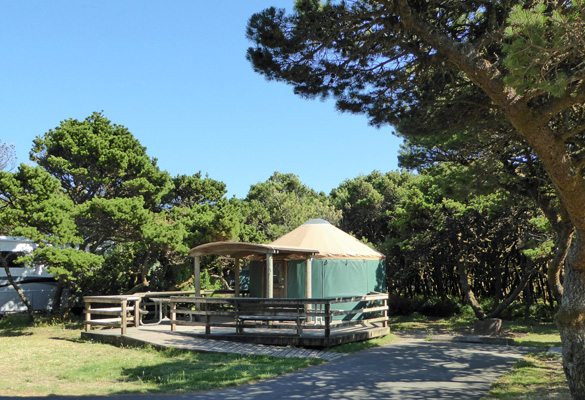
x=197, y=279
x=309, y=283
x=269, y=273
x=308, y=278
x=237, y=278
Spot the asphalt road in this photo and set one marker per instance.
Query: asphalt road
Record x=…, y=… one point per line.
x=405, y=370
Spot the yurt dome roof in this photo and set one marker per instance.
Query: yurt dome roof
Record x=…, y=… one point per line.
x=330, y=241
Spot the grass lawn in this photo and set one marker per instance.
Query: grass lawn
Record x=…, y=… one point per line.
x=537, y=377
x=50, y=359
x=367, y=344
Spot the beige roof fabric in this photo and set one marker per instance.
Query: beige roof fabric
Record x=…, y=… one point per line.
x=331, y=242
x=251, y=250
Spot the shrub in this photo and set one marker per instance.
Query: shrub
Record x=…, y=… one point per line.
x=442, y=308
x=432, y=307
x=399, y=305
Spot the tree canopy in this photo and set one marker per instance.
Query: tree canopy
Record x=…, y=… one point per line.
x=283, y=202
x=97, y=159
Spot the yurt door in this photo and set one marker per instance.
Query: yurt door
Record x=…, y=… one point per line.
x=279, y=280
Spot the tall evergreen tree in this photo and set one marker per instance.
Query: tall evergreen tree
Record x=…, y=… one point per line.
x=503, y=70
x=283, y=202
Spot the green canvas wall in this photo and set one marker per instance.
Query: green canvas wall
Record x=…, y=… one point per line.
x=331, y=278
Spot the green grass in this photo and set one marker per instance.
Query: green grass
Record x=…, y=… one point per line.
x=364, y=345
x=536, y=334
x=50, y=359
x=438, y=325
x=538, y=376
x=524, y=333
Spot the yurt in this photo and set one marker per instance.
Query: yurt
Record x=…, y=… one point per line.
x=341, y=265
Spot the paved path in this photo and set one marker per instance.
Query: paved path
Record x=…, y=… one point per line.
x=405, y=370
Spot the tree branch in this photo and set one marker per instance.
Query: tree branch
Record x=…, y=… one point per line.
x=559, y=104
x=17, y=288
x=573, y=132
x=464, y=56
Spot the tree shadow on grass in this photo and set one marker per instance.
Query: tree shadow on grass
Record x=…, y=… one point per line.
x=8, y=332
x=70, y=339
x=202, y=372
x=11, y=326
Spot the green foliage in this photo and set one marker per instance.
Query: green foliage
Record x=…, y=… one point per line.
x=283, y=203
x=427, y=224
x=436, y=73
x=120, y=222
x=69, y=265
x=208, y=283
x=420, y=305
x=95, y=158
x=544, y=46
x=113, y=220
x=32, y=205
x=192, y=191
x=368, y=203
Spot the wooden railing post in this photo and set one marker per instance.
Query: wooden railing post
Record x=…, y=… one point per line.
x=300, y=309
x=327, y=319
x=87, y=315
x=385, y=312
x=137, y=313
x=123, y=304
x=173, y=306
x=237, y=317
x=237, y=278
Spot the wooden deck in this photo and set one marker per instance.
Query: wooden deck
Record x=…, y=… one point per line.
x=226, y=340
x=308, y=323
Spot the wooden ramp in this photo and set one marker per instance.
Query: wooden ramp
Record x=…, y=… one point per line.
x=187, y=338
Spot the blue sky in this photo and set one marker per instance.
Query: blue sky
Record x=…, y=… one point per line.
x=175, y=74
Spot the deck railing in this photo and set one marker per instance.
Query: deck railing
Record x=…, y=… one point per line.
x=120, y=309
x=296, y=314
x=124, y=310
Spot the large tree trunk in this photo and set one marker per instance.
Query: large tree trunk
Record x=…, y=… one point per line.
x=466, y=288
x=524, y=279
x=555, y=265
x=18, y=290
x=571, y=320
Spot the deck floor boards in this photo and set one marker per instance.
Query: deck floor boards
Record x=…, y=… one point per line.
x=193, y=338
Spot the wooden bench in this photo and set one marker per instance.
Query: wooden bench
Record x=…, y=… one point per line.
x=298, y=319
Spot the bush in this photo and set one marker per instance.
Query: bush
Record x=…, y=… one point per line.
x=433, y=307
x=399, y=305
x=442, y=308
x=538, y=311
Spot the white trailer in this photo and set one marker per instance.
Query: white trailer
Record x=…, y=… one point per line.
x=38, y=286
